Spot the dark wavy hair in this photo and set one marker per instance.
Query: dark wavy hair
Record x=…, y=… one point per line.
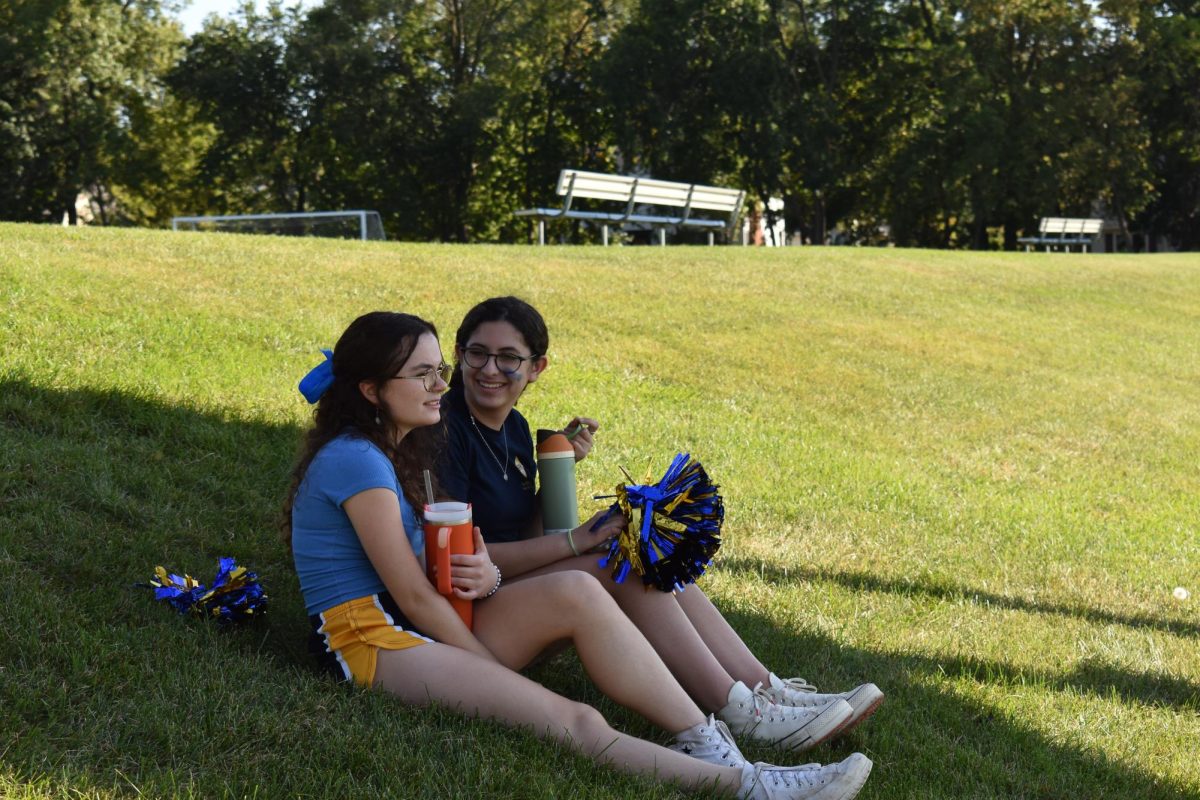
x=513, y=310
x=373, y=348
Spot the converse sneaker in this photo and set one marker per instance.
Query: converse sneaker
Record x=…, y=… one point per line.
x=809, y=782
x=799, y=693
x=710, y=741
x=793, y=728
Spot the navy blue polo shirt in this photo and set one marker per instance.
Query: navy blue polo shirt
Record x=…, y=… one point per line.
x=472, y=470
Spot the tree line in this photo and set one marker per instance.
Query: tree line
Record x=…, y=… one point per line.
x=920, y=122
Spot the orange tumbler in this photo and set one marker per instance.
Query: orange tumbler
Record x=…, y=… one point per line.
x=448, y=531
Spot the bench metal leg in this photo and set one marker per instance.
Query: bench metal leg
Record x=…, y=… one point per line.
x=662, y=237
x=604, y=234
x=541, y=232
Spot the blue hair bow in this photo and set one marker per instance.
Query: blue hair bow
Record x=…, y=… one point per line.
x=318, y=379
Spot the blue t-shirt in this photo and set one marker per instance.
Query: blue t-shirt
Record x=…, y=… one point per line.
x=330, y=560
x=472, y=470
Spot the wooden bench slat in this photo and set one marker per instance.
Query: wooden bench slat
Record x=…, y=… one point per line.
x=655, y=192
x=1064, y=232
x=632, y=191
x=660, y=195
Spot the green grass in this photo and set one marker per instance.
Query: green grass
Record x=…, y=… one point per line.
x=970, y=478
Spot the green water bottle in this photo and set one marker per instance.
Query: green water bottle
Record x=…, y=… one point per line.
x=556, y=465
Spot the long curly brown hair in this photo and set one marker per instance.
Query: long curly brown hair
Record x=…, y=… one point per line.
x=374, y=348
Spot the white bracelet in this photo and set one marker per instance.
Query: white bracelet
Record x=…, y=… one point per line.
x=571, y=542
x=495, y=588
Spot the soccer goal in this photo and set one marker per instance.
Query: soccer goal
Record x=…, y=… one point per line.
x=365, y=225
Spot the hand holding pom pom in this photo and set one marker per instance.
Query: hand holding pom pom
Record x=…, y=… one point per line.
x=678, y=532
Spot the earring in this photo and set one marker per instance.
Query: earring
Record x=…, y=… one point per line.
x=377, y=420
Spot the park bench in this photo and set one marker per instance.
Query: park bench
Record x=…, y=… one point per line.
x=1055, y=232
x=636, y=194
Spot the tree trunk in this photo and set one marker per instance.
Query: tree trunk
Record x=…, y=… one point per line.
x=66, y=201
x=1010, y=235
x=979, y=234
x=818, y=221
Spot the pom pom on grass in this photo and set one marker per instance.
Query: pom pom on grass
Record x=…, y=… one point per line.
x=235, y=594
x=676, y=532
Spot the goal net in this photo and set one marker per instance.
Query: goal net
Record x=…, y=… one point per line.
x=365, y=225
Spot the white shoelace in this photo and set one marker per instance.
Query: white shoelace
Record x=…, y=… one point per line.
x=763, y=703
x=797, y=684
x=805, y=775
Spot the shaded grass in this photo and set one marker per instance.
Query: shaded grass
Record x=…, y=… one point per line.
x=968, y=477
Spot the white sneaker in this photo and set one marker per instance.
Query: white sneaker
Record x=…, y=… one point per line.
x=800, y=693
x=790, y=727
x=809, y=782
x=710, y=741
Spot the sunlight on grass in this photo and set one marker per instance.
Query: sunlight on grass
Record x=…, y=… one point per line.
x=970, y=478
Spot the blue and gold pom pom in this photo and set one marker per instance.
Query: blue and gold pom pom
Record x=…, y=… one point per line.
x=677, y=533
x=235, y=594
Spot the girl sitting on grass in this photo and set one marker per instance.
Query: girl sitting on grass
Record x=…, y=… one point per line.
x=377, y=620
x=500, y=349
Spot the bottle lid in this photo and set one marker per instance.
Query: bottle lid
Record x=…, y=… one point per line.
x=553, y=444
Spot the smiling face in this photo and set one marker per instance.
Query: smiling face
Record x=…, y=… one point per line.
x=404, y=399
x=491, y=392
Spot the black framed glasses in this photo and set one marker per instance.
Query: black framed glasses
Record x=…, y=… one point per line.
x=477, y=358
x=430, y=377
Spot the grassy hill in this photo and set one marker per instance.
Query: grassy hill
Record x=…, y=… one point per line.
x=971, y=478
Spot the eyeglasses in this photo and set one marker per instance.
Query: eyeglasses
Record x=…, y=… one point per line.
x=430, y=377
x=477, y=358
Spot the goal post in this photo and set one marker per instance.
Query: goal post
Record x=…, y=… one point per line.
x=354, y=224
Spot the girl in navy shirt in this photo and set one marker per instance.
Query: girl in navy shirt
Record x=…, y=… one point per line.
x=500, y=349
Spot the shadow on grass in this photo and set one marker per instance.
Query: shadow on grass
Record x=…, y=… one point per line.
x=98, y=487
x=866, y=581
x=1092, y=676
x=106, y=486
x=929, y=742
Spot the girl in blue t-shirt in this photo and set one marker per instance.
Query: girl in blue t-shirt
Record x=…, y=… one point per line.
x=379, y=621
x=500, y=349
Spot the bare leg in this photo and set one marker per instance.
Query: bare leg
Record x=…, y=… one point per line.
x=720, y=637
x=525, y=616
x=663, y=621
x=478, y=687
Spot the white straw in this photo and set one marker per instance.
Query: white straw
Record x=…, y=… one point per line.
x=428, y=486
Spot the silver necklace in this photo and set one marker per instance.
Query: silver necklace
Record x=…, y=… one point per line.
x=503, y=467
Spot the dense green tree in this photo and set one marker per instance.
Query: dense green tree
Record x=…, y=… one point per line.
x=74, y=77
x=551, y=115
x=696, y=89
x=448, y=116
x=1006, y=112
x=239, y=78
x=373, y=109
x=1166, y=65
x=843, y=81
x=945, y=123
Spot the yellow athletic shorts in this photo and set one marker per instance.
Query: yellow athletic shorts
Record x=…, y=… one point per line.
x=346, y=639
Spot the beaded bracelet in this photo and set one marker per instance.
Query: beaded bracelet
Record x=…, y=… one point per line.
x=571, y=542
x=495, y=588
